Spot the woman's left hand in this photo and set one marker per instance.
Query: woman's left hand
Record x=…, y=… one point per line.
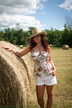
x=53, y=72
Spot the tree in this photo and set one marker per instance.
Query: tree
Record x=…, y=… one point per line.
x=8, y=35
x=66, y=37
x=69, y=21
x=1, y=35
x=20, y=37
x=30, y=29
x=57, y=37
x=50, y=36
x=26, y=36
x=17, y=26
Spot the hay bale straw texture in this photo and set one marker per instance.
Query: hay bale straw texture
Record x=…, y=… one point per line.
x=15, y=78
x=65, y=47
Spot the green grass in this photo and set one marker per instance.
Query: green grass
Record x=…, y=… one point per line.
x=63, y=89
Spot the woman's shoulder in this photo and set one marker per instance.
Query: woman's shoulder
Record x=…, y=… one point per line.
x=28, y=47
x=48, y=47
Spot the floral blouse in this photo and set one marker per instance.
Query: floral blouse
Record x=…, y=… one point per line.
x=42, y=66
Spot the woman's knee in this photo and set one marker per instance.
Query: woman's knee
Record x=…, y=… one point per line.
x=50, y=95
x=40, y=99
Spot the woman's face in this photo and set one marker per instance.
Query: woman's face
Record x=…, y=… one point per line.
x=37, y=38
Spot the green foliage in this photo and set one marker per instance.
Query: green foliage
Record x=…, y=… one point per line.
x=1, y=35
x=54, y=37
x=30, y=29
x=19, y=37
x=66, y=37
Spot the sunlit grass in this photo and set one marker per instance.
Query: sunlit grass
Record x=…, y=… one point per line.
x=63, y=89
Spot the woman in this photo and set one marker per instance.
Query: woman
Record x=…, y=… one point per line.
x=44, y=69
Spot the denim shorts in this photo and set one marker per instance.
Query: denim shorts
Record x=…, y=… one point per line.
x=46, y=80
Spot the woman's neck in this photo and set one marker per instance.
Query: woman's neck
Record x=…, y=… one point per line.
x=39, y=44
x=39, y=47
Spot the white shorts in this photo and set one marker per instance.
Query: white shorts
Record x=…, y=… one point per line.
x=47, y=80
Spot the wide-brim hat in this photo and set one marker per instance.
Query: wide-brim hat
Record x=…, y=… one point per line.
x=38, y=31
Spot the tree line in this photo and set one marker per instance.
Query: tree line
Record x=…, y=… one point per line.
x=55, y=37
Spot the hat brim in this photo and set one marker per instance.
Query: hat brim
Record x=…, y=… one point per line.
x=43, y=33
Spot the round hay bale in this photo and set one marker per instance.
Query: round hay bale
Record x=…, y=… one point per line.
x=21, y=46
x=15, y=78
x=51, y=45
x=65, y=47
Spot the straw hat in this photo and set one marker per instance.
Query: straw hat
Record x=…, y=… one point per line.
x=38, y=31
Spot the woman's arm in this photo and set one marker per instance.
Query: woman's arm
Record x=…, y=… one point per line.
x=24, y=52
x=17, y=53
x=50, y=60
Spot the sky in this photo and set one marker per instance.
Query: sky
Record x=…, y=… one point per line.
x=44, y=14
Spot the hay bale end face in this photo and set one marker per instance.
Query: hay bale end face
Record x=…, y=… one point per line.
x=15, y=78
x=65, y=47
x=21, y=46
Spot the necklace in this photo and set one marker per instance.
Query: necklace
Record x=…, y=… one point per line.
x=39, y=48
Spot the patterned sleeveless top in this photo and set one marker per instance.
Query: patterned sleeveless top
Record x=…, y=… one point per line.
x=42, y=66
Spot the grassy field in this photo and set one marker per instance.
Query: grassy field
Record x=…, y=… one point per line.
x=63, y=89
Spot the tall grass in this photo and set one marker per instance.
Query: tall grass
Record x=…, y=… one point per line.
x=63, y=89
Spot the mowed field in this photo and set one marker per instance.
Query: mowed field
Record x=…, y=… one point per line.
x=63, y=89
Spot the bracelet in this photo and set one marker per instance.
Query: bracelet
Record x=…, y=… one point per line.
x=13, y=51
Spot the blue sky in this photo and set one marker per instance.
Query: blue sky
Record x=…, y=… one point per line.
x=52, y=15
x=42, y=14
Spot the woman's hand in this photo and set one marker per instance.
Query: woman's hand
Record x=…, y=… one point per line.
x=11, y=50
x=53, y=72
x=7, y=48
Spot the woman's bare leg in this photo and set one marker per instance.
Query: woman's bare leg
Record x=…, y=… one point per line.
x=40, y=95
x=50, y=96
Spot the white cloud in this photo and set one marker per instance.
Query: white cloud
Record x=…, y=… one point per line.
x=19, y=11
x=20, y=6
x=67, y=5
x=61, y=29
x=25, y=21
x=44, y=0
